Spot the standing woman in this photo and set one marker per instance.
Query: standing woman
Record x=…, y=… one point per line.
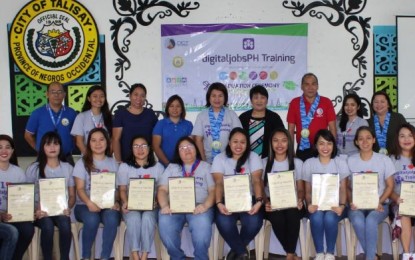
x=50, y=164
x=187, y=163
x=238, y=159
x=403, y=157
x=351, y=119
x=212, y=126
x=286, y=222
x=260, y=121
x=134, y=120
x=95, y=114
x=365, y=222
x=324, y=223
x=384, y=122
x=10, y=172
x=95, y=160
x=169, y=130
x=141, y=225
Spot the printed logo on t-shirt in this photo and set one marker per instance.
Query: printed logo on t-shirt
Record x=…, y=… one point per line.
x=320, y=112
x=406, y=174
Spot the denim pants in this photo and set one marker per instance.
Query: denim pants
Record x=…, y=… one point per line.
x=200, y=227
x=47, y=226
x=109, y=218
x=141, y=226
x=325, y=223
x=365, y=224
x=8, y=240
x=26, y=232
x=238, y=240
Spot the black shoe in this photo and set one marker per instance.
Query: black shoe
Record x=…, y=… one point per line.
x=231, y=255
x=242, y=257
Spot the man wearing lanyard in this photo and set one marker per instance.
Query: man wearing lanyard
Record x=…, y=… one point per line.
x=309, y=113
x=53, y=116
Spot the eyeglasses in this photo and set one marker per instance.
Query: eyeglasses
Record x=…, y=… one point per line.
x=140, y=146
x=56, y=92
x=186, y=147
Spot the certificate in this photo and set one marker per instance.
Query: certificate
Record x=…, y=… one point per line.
x=141, y=194
x=237, y=193
x=103, y=189
x=365, y=190
x=282, y=190
x=407, y=207
x=21, y=202
x=182, y=194
x=53, y=199
x=325, y=190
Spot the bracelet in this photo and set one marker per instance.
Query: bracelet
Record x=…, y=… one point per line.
x=259, y=199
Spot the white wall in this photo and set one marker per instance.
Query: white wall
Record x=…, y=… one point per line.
x=329, y=49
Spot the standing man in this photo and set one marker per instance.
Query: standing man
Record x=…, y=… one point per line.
x=53, y=116
x=309, y=113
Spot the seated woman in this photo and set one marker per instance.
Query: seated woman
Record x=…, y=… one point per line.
x=141, y=225
x=324, y=223
x=187, y=162
x=238, y=159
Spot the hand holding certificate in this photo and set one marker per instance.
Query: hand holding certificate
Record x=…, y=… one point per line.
x=182, y=194
x=237, y=193
x=21, y=202
x=282, y=190
x=365, y=190
x=325, y=190
x=53, y=199
x=407, y=206
x=103, y=189
x=141, y=194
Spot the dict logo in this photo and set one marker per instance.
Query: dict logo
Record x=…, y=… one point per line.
x=248, y=44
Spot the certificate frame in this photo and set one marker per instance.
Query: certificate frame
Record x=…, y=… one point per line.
x=365, y=190
x=325, y=189
x=237, y=192
x=53, y=195
x=182, y=194
x=282, y=190
x=141, y=194
x=407, y=207
x=103, y=189
x=21, y=201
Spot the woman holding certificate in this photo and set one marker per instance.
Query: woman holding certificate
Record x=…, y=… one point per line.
x=325, y=185
x=285, y=222
x=371, y=185
x=141, y=222
x=95, y=176
x=187, y=164
x=50, y=165
x=403, y=157
x=212, y=126
x=238, y=198
x=11, y=173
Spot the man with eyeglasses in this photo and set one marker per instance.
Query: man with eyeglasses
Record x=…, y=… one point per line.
x=53, y=116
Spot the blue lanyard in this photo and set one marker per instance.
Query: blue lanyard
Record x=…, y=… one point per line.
x=306, y=119
x=381, y=134
x=192, y=170
x=215, y=126
x=55, y=123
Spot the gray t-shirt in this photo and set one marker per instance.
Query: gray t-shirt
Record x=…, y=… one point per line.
x=405, y=171
x=13, y=174
x=336, y=165
x=64, y=170
x=349, y=135
x=202, y=128
x=84, y=123
x=127, y=172
x=202, y=175
x=378, y=163
x=107, y=165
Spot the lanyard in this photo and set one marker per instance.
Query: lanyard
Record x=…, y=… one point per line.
x=192, y=170
x=381, y=134
x=306, y=120
x=99, y=124
x=347, y=131
x=55, y=123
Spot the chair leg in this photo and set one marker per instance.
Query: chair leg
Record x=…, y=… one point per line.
x=259, y=243
x=302, y=237
x=268, y=228
x=157, y=244
x=339, y=239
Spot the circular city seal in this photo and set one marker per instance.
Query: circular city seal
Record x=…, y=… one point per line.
x=65, y=121
x=54, y=40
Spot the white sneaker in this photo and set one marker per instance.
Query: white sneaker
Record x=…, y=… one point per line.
x=329, y=257
x=320, y=256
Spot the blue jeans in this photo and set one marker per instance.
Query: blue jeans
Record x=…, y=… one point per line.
x=109, y=218
x=26, y=231
x=200, y=227
x=237, y=241
x=365, y=224
x=325, y=223
x=141, y=226
x=8, y=240
x=47, y=226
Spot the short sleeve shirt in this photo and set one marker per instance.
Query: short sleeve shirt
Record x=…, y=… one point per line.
x=405, y=171
x=348, y=136
x=13, y=174
x=127, y=172
x=85, y=122
x=336, y=165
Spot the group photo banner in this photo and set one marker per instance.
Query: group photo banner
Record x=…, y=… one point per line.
x=237, y=55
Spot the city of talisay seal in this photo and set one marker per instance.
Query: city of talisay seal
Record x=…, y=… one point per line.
x=54, y=40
